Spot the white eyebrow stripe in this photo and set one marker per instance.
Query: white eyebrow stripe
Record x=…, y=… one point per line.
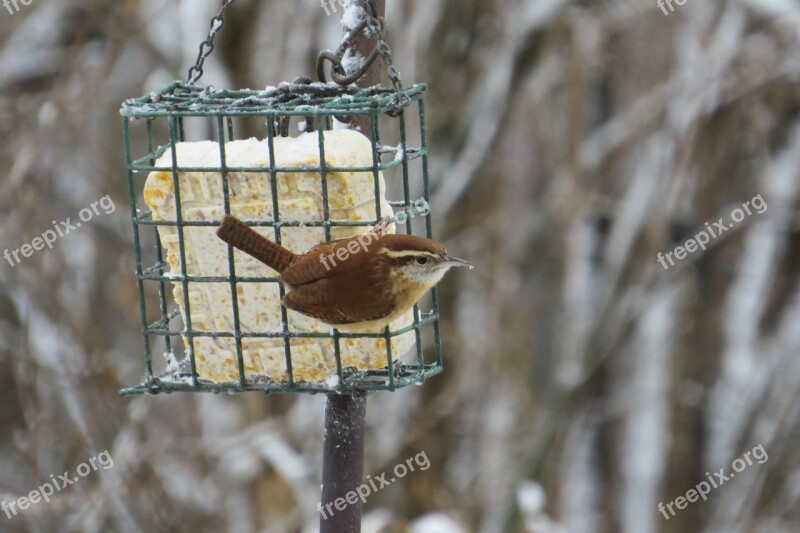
x=409, y=253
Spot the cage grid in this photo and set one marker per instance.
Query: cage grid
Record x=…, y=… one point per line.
x=318, y=105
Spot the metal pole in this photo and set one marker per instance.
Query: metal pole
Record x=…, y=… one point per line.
x=364, y=44
x=342, y=463
x=345, y=416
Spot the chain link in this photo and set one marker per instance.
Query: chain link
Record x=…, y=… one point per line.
x=207, y=46
x=374, y=26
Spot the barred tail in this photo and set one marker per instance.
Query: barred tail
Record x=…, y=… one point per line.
x=239, y=235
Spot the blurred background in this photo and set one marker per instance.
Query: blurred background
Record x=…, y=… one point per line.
x=572, y=141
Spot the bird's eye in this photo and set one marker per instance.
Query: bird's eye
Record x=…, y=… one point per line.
x=422, y=260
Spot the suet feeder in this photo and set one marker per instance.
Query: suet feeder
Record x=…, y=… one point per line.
x=180, y=190
x=215, y=315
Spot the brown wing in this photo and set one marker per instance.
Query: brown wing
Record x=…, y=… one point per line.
x=321, y=261
x=310, y=300
x=310, y=267
x=352, y=291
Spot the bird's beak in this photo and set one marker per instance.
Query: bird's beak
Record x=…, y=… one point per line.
x=450, y=261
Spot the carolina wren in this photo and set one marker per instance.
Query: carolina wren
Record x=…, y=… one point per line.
x=355, y=283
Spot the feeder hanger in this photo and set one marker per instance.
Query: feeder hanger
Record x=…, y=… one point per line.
x=207, y=46
x=372, y=23
x=375, y=26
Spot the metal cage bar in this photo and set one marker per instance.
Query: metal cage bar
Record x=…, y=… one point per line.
x=276, y=216
x=237, y=327
x=176, y=135
x=137, y=255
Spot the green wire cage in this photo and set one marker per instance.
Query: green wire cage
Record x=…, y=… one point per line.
x=155, y=125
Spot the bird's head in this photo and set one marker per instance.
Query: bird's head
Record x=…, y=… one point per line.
x=418, y=260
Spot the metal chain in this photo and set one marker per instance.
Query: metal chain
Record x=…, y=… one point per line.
x=372, y=24
x=339, y=75
x=376, y=26
x=338, y=72
x=207, y=46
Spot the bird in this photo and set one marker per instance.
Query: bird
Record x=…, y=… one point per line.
x=354, y=284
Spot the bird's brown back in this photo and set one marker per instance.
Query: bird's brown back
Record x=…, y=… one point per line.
x=355, y=289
